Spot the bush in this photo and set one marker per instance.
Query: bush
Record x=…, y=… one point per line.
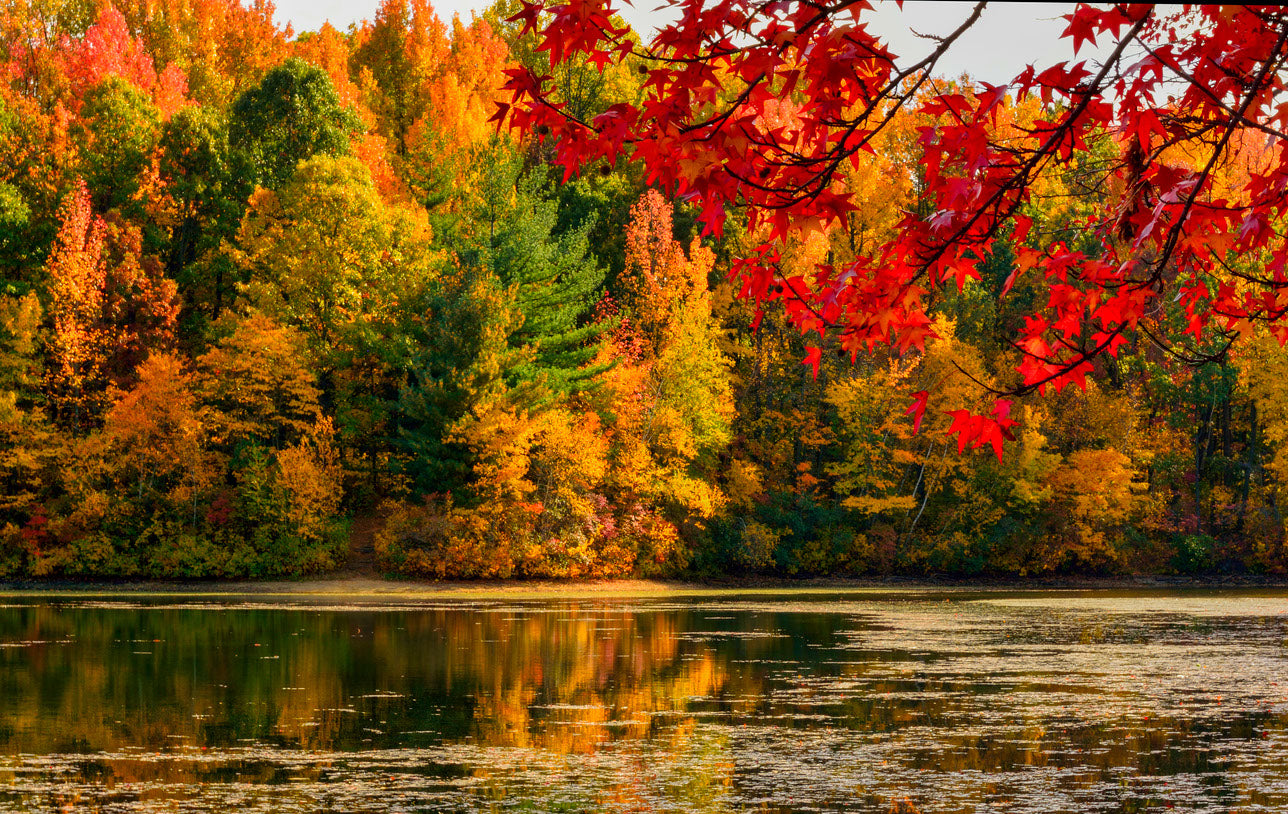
x=1194, y=554
x=437, y=540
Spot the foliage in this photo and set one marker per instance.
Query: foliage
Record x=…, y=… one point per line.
x=115, y=136
x=255, y=287
x=460, y=373
x=258, y=385
x=774, y=124
x=293, y=114
x=207, y=185
x=554, y=278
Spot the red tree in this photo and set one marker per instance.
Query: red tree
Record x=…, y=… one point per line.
x=1179, y=96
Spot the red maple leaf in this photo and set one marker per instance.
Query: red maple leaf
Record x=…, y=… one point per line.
x=918, y=409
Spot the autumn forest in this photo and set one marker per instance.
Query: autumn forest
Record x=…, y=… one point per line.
x=265, y=289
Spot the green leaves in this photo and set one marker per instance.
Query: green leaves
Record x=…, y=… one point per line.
x=292, y=115
x=554, y=279
x=116, y=134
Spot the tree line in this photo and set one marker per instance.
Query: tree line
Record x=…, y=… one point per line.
x=259, y=284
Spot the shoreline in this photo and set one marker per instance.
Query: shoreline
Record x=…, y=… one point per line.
x=376, y=587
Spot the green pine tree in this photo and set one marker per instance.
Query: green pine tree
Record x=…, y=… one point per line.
x=554, y=279
x=465, y=364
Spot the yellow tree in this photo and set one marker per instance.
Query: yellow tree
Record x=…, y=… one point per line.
x=77, y=278
x=257, y=385
x=29, y=450
x=155, y=438
x=326, y=256
x=143, y=481
x=871, y=475
x=392, y=57
x=1263, y=370
x=670, y=390
x=261, y=406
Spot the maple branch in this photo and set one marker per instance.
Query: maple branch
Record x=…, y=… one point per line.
x=1068, y=366
x=981, y=384
x=1042, y=153
x=1178, y=226
x=1213, y=98
x=822, y=179
x=1196, y=360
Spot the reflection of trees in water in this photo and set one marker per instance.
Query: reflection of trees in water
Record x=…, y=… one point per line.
x=558, y=683
x=157, y=679
x=324, y=680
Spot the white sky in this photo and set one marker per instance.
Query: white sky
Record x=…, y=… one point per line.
x=1007, y=37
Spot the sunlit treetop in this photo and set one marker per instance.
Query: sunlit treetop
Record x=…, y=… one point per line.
x=766, y=106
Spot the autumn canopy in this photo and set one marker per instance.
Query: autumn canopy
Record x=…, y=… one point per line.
x=1176, y=139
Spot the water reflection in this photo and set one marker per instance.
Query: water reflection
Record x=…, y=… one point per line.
x=955, y=703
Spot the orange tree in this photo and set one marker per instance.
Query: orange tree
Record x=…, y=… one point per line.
x=1171, y=253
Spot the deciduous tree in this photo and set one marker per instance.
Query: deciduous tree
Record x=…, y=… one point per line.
x=293, y=114
x=115, y=136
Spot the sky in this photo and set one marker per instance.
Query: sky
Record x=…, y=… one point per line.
x=1007, y=37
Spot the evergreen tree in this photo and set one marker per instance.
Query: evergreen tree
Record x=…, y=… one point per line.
x=462, y=371
x=554, y=279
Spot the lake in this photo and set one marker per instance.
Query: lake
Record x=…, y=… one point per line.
x=929, y=701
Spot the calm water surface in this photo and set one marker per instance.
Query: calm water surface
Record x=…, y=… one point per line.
x=946, y=702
